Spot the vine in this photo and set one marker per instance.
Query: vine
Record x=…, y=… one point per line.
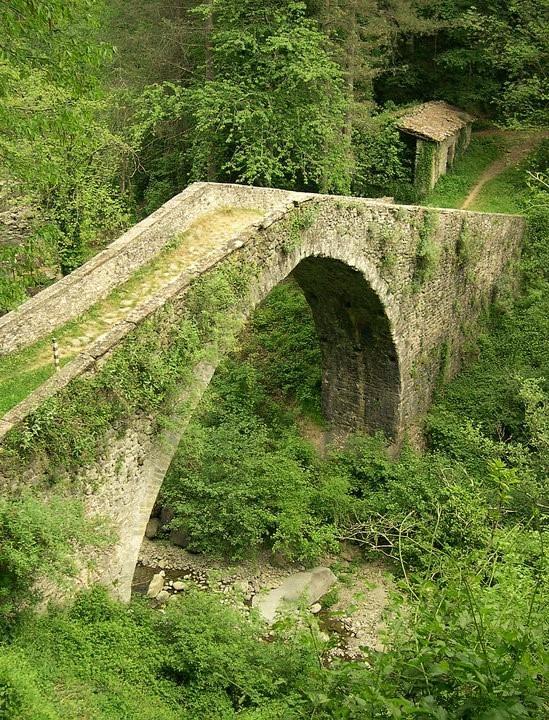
x=425, y=155
x=299, y=222
x=140, y=377
x=427, y=250
x=467, y=247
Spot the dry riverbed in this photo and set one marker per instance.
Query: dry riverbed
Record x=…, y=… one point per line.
x=350, y=613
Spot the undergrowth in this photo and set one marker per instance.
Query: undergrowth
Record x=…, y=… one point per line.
x=462, y=525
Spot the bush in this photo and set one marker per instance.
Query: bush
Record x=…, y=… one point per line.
x=37, y=539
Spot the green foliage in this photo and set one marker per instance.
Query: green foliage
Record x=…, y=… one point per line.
x=266, y=94
x=237, y=482
x=423, y=168
x=199, y=660
x=141, y=375
x=299, y=221
x=502, y=193
x=468, y=246
x=427, y=250
x=36, y=540
x=56, y=145
x=488, y=56
x=282, y=345
x=243, y=476
x=383, y=165
x=452, y=189
x=266, y=106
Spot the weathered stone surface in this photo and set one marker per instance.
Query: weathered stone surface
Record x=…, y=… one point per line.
x=311, y=586
x=385, y=338
x=156, y=584
x=153, y=526
x=163, y=597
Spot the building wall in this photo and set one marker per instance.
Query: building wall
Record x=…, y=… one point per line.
x=433, y=159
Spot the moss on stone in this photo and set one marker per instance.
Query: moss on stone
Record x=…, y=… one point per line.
x=425, y=155
x=140, y=377
x=427, y=250
x=300, y=220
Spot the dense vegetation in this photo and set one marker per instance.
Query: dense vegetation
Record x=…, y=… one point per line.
x=461, y=523
x=105, y=112
x=109, y=109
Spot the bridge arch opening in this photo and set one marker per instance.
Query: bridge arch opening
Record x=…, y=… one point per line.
x=360, y=386
x=360, y=364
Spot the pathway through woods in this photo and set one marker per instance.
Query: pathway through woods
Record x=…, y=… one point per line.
x=521, y=144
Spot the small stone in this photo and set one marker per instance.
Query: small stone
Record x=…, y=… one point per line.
x=316, y=608
x=241, y=586
x=178, y=585
x=163, y=597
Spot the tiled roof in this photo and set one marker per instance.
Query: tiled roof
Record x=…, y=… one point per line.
x=436, y=120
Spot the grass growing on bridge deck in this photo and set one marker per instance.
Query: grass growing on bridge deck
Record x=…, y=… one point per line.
x=24, y=371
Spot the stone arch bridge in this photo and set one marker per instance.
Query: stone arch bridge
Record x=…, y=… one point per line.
x=394, y=291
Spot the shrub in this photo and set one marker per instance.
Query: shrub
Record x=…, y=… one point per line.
x=38, y=539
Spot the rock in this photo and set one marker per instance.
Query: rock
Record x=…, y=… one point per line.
x=179, y=538
x=156, y=584
x=315, y=608
x=163, y=597
x=241, y=586
x=153, y=526
x=311, y=585
x=178, y=585
x=166, y=515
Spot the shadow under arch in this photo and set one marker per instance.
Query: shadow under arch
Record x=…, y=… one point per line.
x=361, y=386
x=361, y=375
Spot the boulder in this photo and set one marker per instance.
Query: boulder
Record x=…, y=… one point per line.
x=166, y=515
x=163, y=597
x=156, y=584
x=310, y=585
x=179, y=538
x=179, y=585
x=153, y=526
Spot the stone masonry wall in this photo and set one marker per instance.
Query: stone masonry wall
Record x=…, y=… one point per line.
x=386, y=330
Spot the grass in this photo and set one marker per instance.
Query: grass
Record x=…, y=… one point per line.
x=502, y=194
x=452, y=188
x=24, y=371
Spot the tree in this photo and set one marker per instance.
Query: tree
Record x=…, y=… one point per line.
x=56, y=145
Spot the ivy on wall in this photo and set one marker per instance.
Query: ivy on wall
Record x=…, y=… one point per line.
x=425, y=156
x=299, y=221
x=142, y=375
x=427, y=250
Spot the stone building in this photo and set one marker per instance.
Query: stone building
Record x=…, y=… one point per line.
x=436, y=134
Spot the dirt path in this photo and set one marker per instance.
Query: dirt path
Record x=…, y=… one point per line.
x=523, y=144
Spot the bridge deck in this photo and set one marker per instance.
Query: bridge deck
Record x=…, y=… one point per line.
x=23, y=371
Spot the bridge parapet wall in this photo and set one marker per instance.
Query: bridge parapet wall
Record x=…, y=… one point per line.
x=399, y=288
